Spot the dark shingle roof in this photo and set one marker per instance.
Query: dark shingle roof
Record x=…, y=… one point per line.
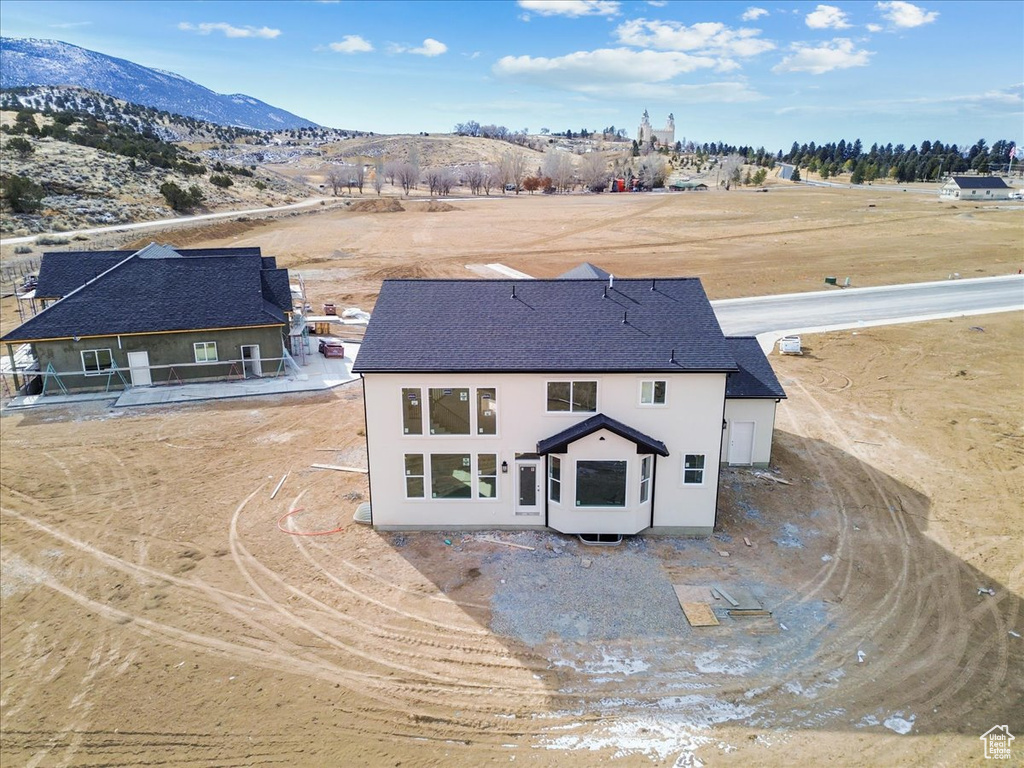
x=755, y=378
x=559, y=443
x=147, y=295
x=549, y=325
x=61, y=272
x=980, y=182
x=585, y=271
x=276, y=288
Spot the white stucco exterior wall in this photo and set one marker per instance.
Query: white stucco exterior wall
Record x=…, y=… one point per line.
x=689, y=423
x=760, y=412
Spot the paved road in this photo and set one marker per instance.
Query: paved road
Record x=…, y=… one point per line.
x=856, y=307
x=167, y=222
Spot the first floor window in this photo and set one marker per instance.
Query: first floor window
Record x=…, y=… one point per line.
x=645, y=478
x=555, y=479
x=575, y=396
x=486, y=411
x=449, y=411
x=96, y=361
x=693, y=469
x=487, y=476
x=450, y=476
x=414, y=475
x=206, y=351
x=652, y=392
x=600, y=483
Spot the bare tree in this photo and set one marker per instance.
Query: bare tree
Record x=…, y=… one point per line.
x=474, y=177
x=558, y=165
x=440, y=180
x=378, y=175
x=336, y=177
x=391, y=170
x=359, y=176
x=594, y=172
x=408, y=176
x=652, y=171
x=513, y=168
x=491, y=178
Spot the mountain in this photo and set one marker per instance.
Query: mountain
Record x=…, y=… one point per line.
x=30, y=61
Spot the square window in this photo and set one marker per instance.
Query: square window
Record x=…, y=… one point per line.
x=449, y=411
x=450, y=476
x=205, y=351
x=600, y=483
x=653, y=392
x=96, y=362
x=693, y=469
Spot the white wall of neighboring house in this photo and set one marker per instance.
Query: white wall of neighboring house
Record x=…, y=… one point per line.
x=951, y=191
x=689, y=423
x=760, y=413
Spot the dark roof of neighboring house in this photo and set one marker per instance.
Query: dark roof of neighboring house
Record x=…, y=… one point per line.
x=157, y=290
x=61, y=272
x=663, y=325
x=979, y=182
x=585, y=271
x=559, y=443
x=755, y=378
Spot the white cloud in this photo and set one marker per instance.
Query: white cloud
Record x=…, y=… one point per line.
x=207, y=28
x=827, y=17
x=352, y=44
x=905, y=15
x=874, y=27
x=658, y=3
x=709, y=38
x=839, y=54
x=430, y=47
x=753, y=14
x=571, y=8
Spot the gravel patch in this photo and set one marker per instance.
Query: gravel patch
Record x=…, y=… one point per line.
x=624, y=593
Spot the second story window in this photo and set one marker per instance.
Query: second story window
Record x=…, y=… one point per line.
x=449, y=411
x=573, y=396
x=653, y=392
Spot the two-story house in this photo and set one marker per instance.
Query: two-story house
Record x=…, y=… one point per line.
x=586, y=406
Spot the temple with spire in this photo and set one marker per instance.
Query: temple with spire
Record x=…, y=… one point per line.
x=665, y=137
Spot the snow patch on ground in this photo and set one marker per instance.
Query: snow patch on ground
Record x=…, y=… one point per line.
x=898, y=724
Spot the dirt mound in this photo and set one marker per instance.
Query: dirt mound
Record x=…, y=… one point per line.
x=435, y=207
x=380, y=205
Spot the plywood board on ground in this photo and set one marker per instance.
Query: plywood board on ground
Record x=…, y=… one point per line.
x=691, y=593
x=699, y=615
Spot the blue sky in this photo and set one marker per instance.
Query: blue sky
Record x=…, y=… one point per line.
x=760, y=73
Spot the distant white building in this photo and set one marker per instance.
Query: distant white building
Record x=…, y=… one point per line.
x=665, y=137
x=975, y=188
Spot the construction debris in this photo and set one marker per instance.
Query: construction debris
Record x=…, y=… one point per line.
x=506, y=543
x=986, y=591
x=727, y=596
x=278, y=488
x=340, y=469
x=699, y=615
x=762, y=475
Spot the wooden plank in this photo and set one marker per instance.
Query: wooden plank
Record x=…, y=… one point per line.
x=699, y=615
x=506, y=543
x=340, y=469
x=689, y=593
x=727, y=596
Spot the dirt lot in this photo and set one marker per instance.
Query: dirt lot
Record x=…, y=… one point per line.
x=154, y=611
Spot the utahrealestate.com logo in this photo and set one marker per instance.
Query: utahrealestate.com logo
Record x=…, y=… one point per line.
x=997, y=742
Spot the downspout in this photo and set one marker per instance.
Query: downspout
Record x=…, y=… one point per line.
x=545, y=487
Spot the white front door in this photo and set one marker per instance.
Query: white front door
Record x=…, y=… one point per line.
x=251, y=361
x=741, y=442
x=138, y=366
x=528, y=487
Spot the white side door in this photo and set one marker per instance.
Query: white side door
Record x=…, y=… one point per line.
x=138, y=366
x=251, y=361
x=741, y=442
